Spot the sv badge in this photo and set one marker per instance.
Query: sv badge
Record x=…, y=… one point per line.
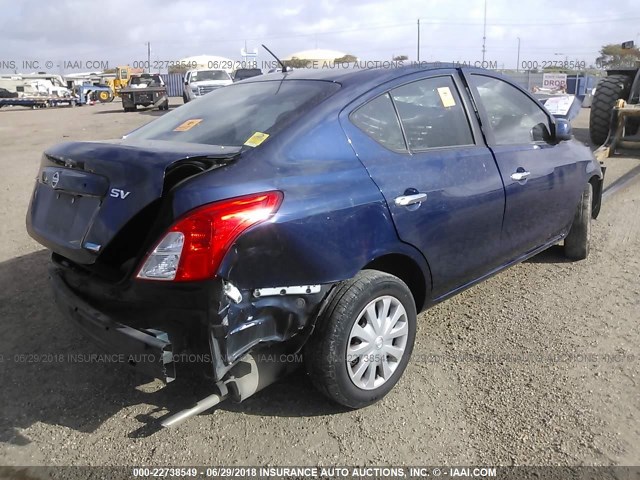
x=117, y=193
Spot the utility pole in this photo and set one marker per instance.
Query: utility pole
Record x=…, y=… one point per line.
x=148, y=57
x=484, y=31
x=418, y=40
x=518, y=64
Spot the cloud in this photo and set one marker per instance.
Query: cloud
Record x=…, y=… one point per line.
x=117, y=31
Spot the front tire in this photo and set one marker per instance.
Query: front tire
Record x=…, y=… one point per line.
x=577, y=242
x=363, y=339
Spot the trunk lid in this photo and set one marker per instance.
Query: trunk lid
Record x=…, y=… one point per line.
x=86, y=192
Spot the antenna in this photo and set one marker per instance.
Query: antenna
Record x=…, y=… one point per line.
x=284, y=67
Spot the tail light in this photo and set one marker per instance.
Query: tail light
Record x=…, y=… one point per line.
x=194, y=246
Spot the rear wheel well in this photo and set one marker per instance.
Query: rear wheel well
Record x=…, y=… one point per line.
x=406, y=270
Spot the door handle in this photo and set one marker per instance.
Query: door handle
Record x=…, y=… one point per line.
x=518, y=176
x=406, y=200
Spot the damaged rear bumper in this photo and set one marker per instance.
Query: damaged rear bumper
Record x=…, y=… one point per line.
x=148, y=351
x=168, y=331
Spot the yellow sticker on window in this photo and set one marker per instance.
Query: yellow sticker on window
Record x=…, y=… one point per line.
x=256, y=139
x=188, y=125
x=446, y=97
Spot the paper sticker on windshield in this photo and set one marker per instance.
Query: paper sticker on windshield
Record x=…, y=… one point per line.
x=446, y=97
x=188, y=125
x=256, y=139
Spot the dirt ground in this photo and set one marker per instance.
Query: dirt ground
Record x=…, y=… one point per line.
x=537, y=366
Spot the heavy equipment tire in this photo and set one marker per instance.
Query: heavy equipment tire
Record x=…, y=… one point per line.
x=576, y=243
x=608, y=92
x=104, y=97
x=363, y=339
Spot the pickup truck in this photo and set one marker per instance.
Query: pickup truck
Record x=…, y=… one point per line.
x=201, y=82
x=146, y=90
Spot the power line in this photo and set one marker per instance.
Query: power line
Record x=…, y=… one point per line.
x=365, y=27
x=531, y=24
x=423, y=21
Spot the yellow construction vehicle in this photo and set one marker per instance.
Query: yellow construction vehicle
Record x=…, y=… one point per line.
x=121, y=79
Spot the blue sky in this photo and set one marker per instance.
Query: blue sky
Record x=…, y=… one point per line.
x=116, y=31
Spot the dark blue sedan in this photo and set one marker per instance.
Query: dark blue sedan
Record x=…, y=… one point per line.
x=310, y=212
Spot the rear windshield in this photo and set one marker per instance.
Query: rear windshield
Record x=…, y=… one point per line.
x=232, y=115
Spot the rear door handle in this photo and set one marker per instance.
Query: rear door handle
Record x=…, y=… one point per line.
x=406, y=200
x=518, y=176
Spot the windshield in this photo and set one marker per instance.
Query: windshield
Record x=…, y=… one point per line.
x=209, y=75
x=149, y=81
x=247, y=73
x=231, y=115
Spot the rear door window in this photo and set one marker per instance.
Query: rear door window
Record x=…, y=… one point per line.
x=378, y=119
x=432, y=114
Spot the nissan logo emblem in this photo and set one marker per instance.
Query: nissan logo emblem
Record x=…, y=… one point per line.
x=55, y=178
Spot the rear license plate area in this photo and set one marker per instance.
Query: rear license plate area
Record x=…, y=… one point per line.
x=62, y=217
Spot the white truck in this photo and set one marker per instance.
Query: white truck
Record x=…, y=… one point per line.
x=201, y=82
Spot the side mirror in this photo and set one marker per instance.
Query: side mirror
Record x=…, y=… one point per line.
x=540, y=133
x=563, y=130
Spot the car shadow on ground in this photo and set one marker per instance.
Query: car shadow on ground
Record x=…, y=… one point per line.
x=553, y=254
x=153, y=112
x=48, y=376
x=174, y=102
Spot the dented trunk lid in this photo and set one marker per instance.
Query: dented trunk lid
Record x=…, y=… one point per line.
x=86, y=192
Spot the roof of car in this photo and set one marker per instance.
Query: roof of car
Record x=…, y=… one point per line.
x=355, y=74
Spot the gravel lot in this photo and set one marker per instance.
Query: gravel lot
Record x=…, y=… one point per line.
x=537, y=366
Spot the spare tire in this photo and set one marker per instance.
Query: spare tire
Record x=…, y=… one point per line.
x=608, y=92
